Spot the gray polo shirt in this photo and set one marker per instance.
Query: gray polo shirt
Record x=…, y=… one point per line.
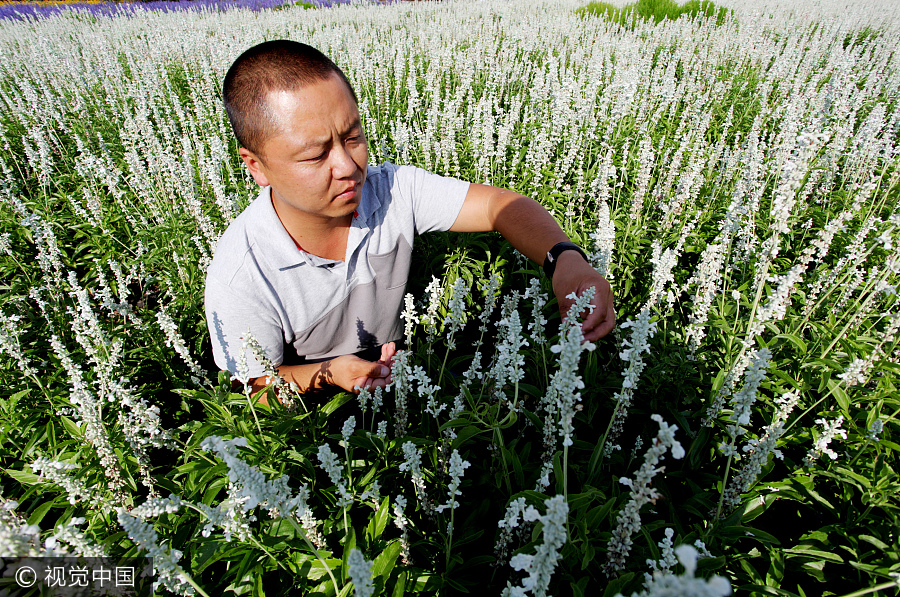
x=260, y=281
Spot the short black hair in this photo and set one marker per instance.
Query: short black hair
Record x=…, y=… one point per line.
x=278, y=65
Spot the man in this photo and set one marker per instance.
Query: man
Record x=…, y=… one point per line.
x=316, y=268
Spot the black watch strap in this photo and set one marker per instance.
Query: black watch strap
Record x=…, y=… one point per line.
x=554, y=253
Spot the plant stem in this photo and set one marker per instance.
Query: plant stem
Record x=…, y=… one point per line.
x=499, y=440
x=444, y=364
x=850, y=322
x=450, y=534
x=875, y=589
x=808, y=410
x=252, y=408
x=597, y=459
x=190, y=580
x=725, y=478
x=268, y=553
x=859, y=452
x=312, y=547
x=565, y=472
x=346, y=525
x=868, y=441
x=512, y=408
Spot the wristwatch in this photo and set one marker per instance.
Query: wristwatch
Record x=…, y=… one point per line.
x=554, y=253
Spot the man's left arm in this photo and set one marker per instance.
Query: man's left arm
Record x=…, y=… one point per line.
x=532, y=230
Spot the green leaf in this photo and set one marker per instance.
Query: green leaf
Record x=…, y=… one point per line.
x=803, y=487
x=15, y=397
x=589, y=555
x=73, y=428
x=38, y=514
x=458, y=422
x=258, y=590
x=530, y=389
x=579, y=587
x=738, y=531
x=456, y=585
x=810, y=552
x=24, y=477
x=337, y=402
x=762, y=590
x=194, y=465
x=843, y=400
x=598, y=514
x=875, y=542
x=425, y=582
x=400, y=587
x=795, y=340
x=379, y=521
x=711, y=564
x=467, y=536
x=464, y=434
x=317, y=569
x=698, y=449
x=212, y=490
x=384, y=563
x=775, y=574
x=823, y=383
x=349, y=544
x=511, y=457
x=616, y=585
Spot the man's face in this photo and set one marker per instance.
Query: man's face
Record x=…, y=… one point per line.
x=316, y=162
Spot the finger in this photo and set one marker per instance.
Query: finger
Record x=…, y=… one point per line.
x=372, y=382
x=564, y=306
x=593, y=316
x=390, y=357
x=605, y=326
x=599, y=309
x=366, y=370
x=610, y=322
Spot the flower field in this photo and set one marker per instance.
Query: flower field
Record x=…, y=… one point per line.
x=736, y=181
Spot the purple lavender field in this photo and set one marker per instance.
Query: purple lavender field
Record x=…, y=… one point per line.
x=35, y=10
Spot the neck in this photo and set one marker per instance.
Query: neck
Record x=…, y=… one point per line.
x=321, y=236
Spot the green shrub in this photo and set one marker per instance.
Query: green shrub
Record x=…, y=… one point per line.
x=707, y=8
x=628, y=15
x=600, y=9
x=863, y=36
x=301, y=3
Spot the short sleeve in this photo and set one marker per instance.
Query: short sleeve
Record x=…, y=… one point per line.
x=230, y=316
x=436, y=200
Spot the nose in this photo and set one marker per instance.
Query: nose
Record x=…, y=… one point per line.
x=342, y=163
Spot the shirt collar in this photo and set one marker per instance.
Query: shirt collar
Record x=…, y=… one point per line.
x=368, y=204
x=278, y=248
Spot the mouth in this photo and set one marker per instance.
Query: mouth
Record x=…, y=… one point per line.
x=349, y=194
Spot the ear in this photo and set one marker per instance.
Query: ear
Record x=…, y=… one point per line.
x=255, y=166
